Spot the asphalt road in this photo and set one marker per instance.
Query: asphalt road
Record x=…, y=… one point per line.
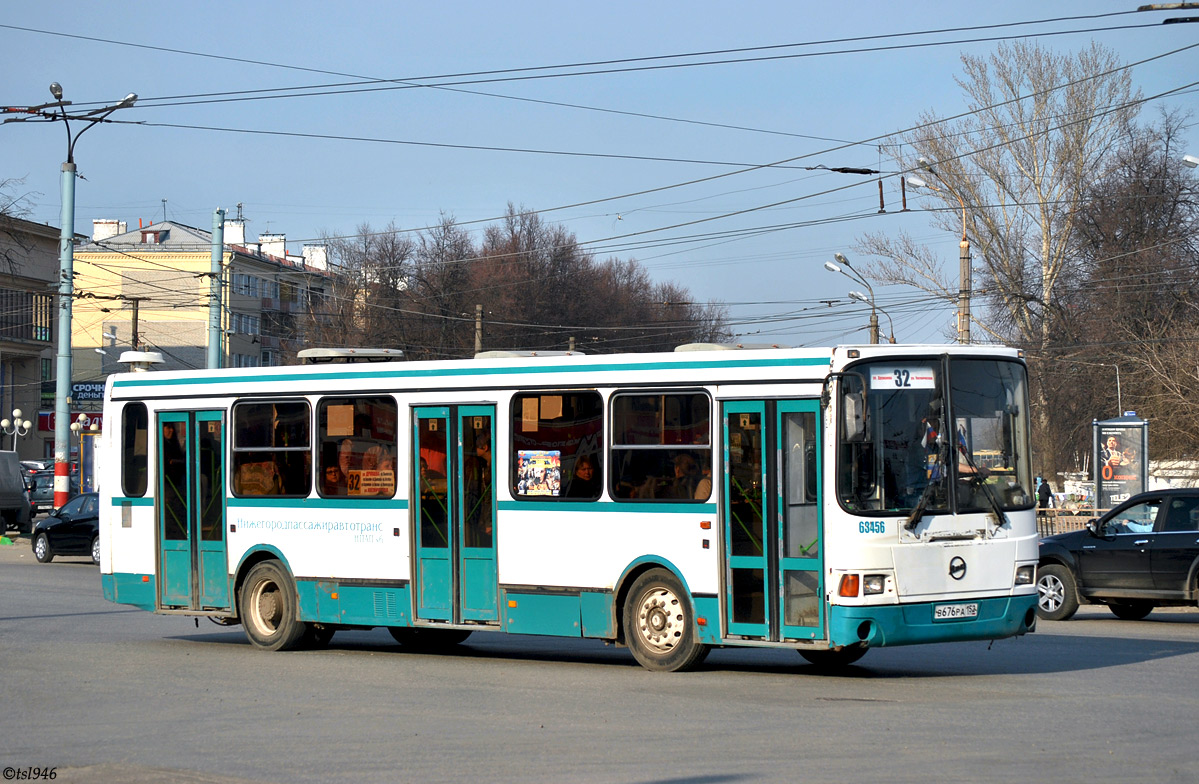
x=103, y=693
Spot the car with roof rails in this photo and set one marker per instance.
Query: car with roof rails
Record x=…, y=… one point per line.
x=1141, y=555
x=41, y=489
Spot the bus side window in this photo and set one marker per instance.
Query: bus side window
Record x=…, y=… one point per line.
x=272, y=450
x=554, y=435
x=661, y=446
x=357, y=446
x=135, y=428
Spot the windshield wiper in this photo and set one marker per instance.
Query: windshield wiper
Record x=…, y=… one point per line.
x=938, y=467
x=1000, y=517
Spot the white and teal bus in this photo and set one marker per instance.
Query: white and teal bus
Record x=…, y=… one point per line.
x=825, y=500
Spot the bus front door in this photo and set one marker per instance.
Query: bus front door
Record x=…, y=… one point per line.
x=771, y=520
x=192, y=555
x=455, y=566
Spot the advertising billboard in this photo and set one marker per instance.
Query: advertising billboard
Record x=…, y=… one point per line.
x=1121, y=459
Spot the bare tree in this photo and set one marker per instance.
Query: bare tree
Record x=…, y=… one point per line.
x=1042, y=128
x=539, y=289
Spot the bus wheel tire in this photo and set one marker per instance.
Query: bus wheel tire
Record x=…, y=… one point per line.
x=832, y=659
x=1057, y=593
x=268, y=608
x=659, y=626
x=41, y=549
x=1130, y=611
x=428, y=640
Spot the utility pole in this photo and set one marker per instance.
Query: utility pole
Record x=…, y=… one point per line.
x=53, y=112
x=215, y=333
x=478, y=329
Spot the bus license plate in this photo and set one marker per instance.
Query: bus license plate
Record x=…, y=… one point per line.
x=954, y=612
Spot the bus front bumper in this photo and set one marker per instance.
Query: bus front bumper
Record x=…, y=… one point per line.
x=911, y=624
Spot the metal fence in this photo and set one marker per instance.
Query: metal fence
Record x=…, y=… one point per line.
x=1059, y=521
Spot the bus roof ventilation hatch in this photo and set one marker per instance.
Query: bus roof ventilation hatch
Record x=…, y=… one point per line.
x=315, y=356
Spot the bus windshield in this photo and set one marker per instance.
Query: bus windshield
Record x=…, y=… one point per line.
x=908, y=436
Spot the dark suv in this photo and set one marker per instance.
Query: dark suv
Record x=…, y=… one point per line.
x=1142, y=554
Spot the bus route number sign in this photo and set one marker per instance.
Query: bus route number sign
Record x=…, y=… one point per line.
x=903, y=377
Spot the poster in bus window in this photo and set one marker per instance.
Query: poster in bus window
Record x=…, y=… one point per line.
x=539, y=472
x=1121, y=470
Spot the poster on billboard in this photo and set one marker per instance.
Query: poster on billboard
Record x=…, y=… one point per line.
x=1120, y=453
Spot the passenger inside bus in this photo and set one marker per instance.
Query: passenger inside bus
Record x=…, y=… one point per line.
x=586, y=480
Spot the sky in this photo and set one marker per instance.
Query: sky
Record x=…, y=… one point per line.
x=640, y=159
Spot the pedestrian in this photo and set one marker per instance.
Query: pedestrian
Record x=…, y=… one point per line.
x=1045, y=495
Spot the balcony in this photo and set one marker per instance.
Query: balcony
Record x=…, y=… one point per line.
x=26, y=317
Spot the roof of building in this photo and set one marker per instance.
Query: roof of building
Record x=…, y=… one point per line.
x=174, y=236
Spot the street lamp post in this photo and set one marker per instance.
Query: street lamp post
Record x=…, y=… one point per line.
x=966, y=269
x=52, y=112
x=16, y=427
x=860, y=297
x=842, y=265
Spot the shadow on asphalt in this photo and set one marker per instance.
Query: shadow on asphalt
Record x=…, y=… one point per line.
x=1044, y=652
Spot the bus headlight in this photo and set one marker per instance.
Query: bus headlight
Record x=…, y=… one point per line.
x=1025, y=575
x=873, y=583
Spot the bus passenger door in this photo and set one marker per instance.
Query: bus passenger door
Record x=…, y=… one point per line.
x=192, y=556
x=455, y=568
x=771, y=527
x=433, y=581
x=478, y=578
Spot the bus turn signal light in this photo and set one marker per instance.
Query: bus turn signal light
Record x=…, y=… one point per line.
x=849, y=585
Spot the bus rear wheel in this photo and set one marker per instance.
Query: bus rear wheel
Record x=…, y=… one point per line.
x=268, y=608
x=659, y=626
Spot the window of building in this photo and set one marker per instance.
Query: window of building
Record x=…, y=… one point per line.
x=135, y=428
x=47, y=370
x=661, y=446
x=357, y=446
x=557, y=442
x=272, y=448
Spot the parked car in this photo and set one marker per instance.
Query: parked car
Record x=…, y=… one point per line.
x=73, y=529
x=14, y=498
x=42, y=489
x=1142, y=554
x=37, y=465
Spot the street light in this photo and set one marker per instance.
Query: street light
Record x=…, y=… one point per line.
x=16, y=427
x=860, y=297
x=1190, y=161
x=53, y=112
x=964, y=257
x=857, y=278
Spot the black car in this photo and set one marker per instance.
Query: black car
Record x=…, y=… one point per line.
x=1142, y=554
x=74, y=529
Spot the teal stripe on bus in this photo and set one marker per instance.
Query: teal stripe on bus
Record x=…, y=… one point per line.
x=606, y=506
x=150, y=380
x=144, y=501
x=268, y=502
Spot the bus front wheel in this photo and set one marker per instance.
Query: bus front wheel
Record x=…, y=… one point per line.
x=659, y=626
x=268, y=608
